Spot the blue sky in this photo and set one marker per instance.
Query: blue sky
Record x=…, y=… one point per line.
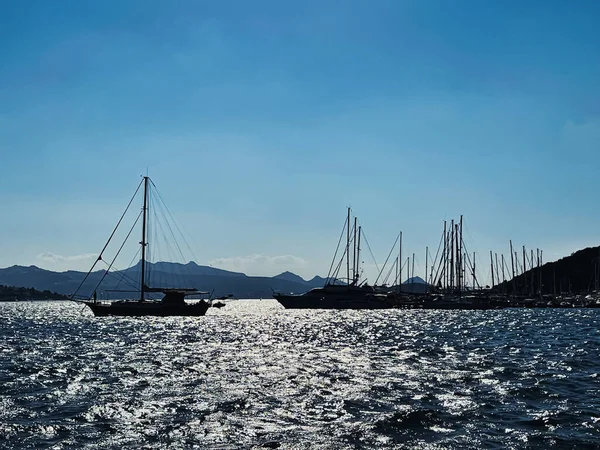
x=262, y=121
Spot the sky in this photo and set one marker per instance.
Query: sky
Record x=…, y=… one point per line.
x=261, y=122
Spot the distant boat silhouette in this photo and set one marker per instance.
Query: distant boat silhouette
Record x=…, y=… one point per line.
x=336, y=295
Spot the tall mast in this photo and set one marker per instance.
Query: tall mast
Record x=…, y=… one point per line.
x=426, y=262
x=400, y=264
x=497, y=268
x=512, y=263
x=517, y=265
x=541, y=268
x=503, y=274
x=524, y=270
x=348, y=248
x=144, y=243
x=474, y=277
x=413, y=270
x=452, y=255
x=460, y=256
x=532, y=290
x=354, y=254
x=357, y=275
x=492, y=267
x=445, y=272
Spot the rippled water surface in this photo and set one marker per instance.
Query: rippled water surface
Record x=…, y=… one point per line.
x=253, y=375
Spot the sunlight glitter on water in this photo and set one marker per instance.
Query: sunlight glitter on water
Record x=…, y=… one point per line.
x=253, y=374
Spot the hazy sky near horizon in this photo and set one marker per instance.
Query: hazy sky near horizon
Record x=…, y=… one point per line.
x=262, y=121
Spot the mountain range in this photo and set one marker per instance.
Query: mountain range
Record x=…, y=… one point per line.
x=579, y=272
x=161, y=274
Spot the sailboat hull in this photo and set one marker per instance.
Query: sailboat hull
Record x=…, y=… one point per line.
x=139, y=309
x=300, y=302
x=336, y=297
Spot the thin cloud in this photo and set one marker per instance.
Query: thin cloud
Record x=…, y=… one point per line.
x=53, y=258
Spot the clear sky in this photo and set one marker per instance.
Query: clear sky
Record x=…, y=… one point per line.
x=262, y=121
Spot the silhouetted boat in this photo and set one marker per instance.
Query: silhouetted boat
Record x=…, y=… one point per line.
x=336, y=295
x=173, y=302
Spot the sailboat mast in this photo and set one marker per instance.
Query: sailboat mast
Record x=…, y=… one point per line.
x=400, y=264
x=445, y=272
x=503, y=274
x=512, y=263
x=354, y=254
x=426, y=262
x=497, y=269
x=348, y=249
x=144, y=243
x=541, y=268
x=452, y=255
x=525, y=287
x=474, y=277
x=357, y=275
x=492, y=267
x=461, y=281
x=532, y=290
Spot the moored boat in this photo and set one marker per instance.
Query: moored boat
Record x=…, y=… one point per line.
x=173, y=301
x=340, y=295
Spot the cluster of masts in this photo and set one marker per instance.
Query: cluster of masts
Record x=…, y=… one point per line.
x=353, y=236
x=453, y=269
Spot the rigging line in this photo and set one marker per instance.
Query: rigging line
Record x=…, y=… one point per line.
x=388, y=257
x=124, y=276
x=398, y=280
x=176, y=276
x=329, y=274
x=124, y=273
x=441, y=269
x=174, y=237
x=159, y=237
x=120, y=248
x=470, y=266
x=173, y=220
x=112, y=275
x=364, y=236
x=392, y=267
x=438, y=250
x=149, y=211
x=162, y=238
x=339, y=266
x=163, y=209
x=109, y=239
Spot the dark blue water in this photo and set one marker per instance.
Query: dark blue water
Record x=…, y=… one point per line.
x=253, y=375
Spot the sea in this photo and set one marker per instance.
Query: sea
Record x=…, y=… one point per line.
x=253, y=375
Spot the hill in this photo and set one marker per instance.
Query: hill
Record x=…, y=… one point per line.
x=578, y=272
x=11, y=293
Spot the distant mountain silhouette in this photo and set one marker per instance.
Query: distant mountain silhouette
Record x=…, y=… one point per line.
x=414, y=285
x=289, y=276
x=415, y=280
x=162, y=274
x=318, y=281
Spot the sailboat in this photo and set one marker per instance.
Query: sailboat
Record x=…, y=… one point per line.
x=337, y=295
x=173, y=301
